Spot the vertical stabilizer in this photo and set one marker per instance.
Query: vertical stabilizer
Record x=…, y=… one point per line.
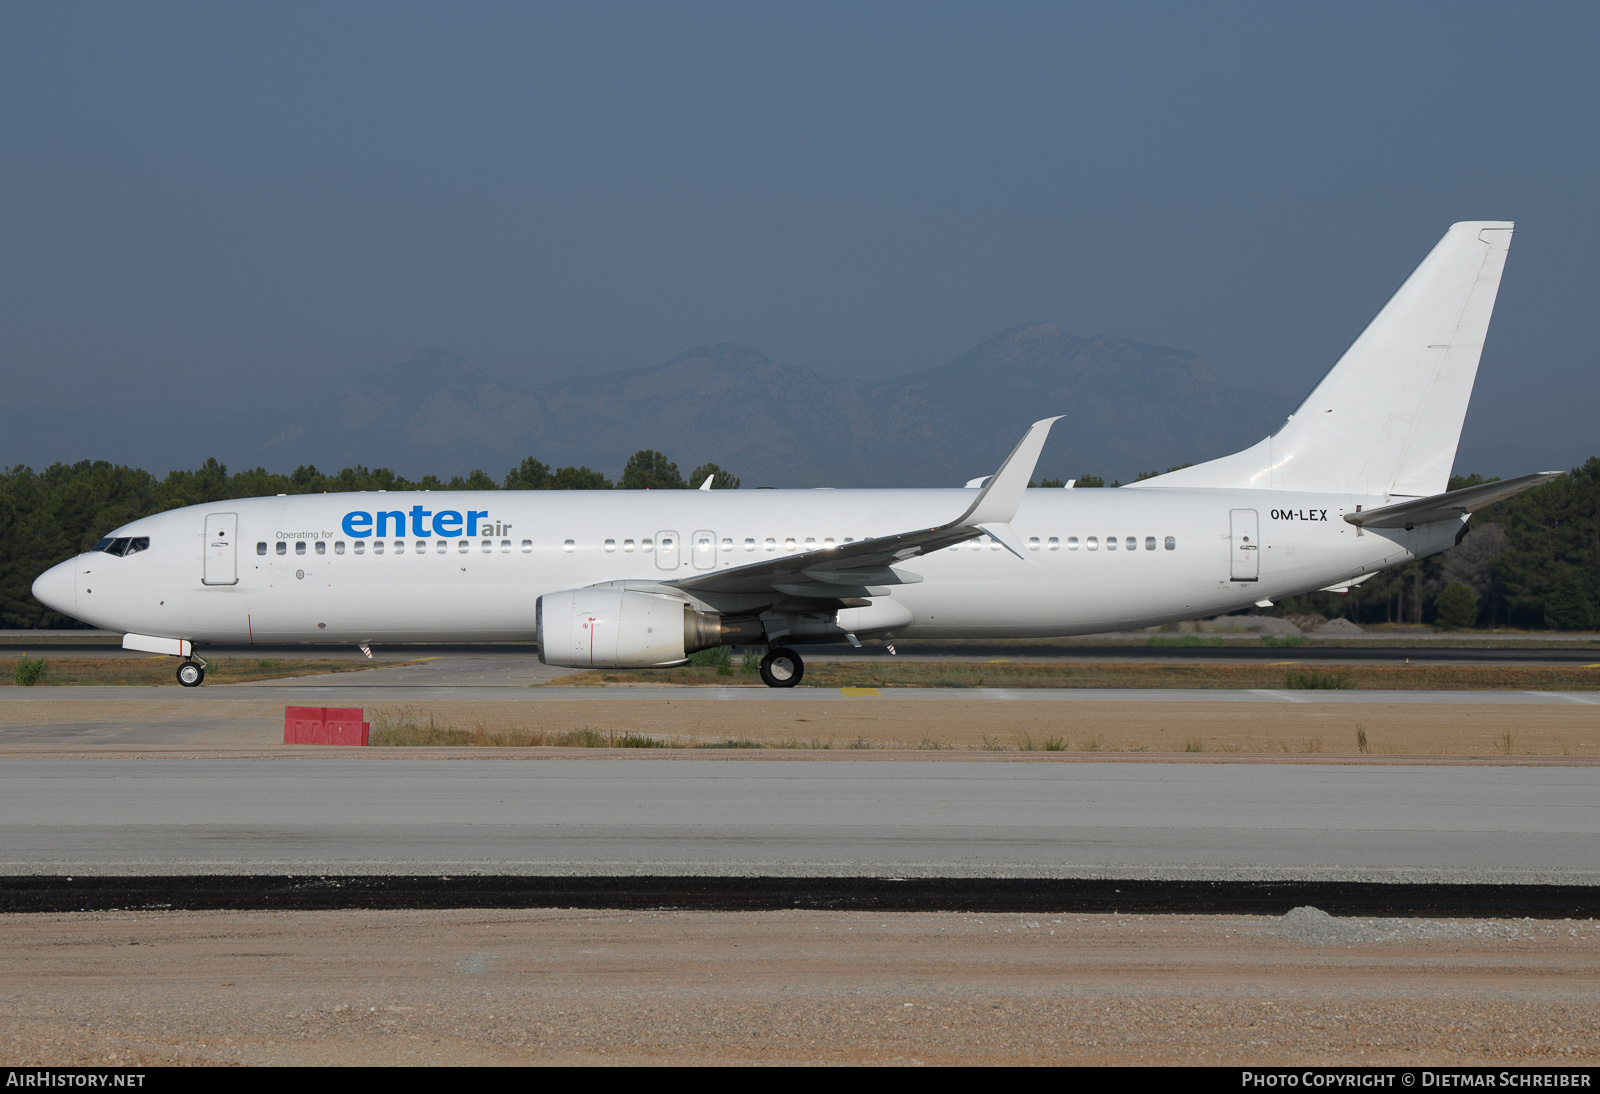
x=1387, y=418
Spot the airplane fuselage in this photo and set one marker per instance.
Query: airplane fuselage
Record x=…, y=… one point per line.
x=465, y=566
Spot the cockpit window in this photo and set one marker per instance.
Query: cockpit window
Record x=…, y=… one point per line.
x=102, y=545
x=117, y=546
x=137, y=544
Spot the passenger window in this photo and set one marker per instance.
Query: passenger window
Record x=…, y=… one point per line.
x=1033, y=543
x=322, y=548
x=422, y=546
x=505, y=546
x=487, y=546
x=338, y=546
x=377, y=546
x=527, y=546
x=727, y=544
x=811, y=543
x=1111, y=543
x=976, y=544
x=750, y=543
x=567, y=545
x=611, y=546
x=441, y=546
x=994, y=544
x=261, y=548
x=1092, y=543
x=1131, y=543
x=399, y=546
x=1149, y=543
x=463, y=546
x=788, y=544
x=283, y=548
x=627, y=546
x=828, y=542
x=772, y=544
x=1172, y=543
x=300, y=547
x=1072, y=543
x=646, y=546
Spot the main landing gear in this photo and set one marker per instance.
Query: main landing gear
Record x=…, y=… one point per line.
x=191, y=673
x=782, y=668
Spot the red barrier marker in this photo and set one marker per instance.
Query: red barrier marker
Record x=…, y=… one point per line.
x=324, y=726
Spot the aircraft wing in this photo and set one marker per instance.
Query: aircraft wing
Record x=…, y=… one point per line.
x=1451, y=506
x=857, y=569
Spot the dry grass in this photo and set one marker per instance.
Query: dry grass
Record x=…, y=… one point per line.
x=889, y=673
x=161, y=671
x=1017, y=726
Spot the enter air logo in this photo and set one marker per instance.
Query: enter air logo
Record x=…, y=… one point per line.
x=446, y=522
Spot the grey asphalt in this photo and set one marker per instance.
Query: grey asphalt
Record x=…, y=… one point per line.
x=344, y=690
x=776, y=817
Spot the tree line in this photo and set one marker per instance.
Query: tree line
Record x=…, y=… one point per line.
x=1532, y=561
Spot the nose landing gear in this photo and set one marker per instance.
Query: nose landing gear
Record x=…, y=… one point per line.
x=782, y=668
x=192, y=673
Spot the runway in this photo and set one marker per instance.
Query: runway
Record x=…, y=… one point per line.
x=688, y=817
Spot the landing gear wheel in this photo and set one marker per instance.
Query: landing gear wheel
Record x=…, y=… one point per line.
x=190, y=675
x=782, y=668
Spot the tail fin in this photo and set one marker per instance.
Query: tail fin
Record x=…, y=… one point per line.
x=1387, y=418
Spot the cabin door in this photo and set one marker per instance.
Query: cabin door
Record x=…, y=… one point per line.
x=703, y=549
x=222, y=564
x=667, y=550
x=1246, y=544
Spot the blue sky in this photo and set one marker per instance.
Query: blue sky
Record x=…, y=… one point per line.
x=283, y=193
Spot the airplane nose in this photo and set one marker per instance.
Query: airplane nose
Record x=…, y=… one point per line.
x=57, y=588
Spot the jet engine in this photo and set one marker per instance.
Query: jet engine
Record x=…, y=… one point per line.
x=613, y=628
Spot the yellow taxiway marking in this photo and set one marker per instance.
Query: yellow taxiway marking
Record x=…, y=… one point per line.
x=1594, y=666
x=1000, y=661
x=1285, y=662
x=861, y=693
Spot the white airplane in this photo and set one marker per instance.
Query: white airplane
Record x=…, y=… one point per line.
x=1352, y=483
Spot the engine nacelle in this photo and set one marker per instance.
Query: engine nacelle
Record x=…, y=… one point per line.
x=620, y=629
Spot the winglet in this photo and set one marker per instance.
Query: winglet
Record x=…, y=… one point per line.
x=707, y=484
x=997, y=503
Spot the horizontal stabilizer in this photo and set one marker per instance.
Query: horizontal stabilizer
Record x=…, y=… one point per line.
x=1452, y=506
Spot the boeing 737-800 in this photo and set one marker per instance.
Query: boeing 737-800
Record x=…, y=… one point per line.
x=1354, y=481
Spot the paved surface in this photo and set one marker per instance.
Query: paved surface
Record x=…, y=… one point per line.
x=801, y=986
x=1126, y=649
x=949, y=818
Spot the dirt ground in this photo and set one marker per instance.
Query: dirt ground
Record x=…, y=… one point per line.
x=561, y=987
x=959, y=724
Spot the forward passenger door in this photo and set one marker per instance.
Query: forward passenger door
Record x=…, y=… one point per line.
x=221, y=567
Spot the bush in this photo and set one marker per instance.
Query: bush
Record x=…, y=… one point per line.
x=713, y=658
x=750, y=663
x=1317, y=680
x=30, y=673
x=1458, y=606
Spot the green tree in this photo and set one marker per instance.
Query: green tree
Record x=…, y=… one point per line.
x=530, y=474
x=1088, y=481
x=720, y=479
x=1569, y=605
x=1056, y=483
x=477, y=480
x=1457, y=607
x=578, y=478
x=650, y=470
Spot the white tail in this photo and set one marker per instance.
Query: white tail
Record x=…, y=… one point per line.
x=1387, y=418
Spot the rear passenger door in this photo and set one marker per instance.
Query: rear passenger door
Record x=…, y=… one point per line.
x=222, y=564
x=1246, y=542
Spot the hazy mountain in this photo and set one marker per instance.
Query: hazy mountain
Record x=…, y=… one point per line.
x=1128, y=407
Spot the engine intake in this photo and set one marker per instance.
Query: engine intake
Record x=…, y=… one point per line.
x=621, y=629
